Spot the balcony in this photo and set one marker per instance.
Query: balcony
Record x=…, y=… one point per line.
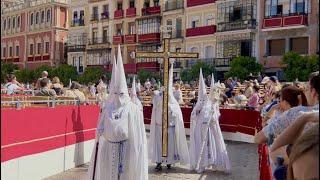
x=216, y=62
x=94, y=41
x=131, y=12
x=200, y=31
x=118, y=39
x=191, y=3
x=105, y=15
x=118, y=14
x=77, y=22
x=130, y=39
x=236, y=25
x=151, y=10
x=94, y=17
x=76, y=48
x=171, y=6
x=149, y=38
x=285, y=21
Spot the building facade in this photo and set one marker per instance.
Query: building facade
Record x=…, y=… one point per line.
x=78, y=33
x=34, y=33
x=287, y=25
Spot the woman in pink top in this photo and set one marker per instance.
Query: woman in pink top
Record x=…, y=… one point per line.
x=254, y=98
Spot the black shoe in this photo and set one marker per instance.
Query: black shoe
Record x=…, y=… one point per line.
x=168, y=166
x=158, y=167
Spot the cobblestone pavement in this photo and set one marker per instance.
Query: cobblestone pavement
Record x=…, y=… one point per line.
x=243, y=157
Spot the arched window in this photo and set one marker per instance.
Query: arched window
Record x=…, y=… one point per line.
x=31, y=19
x=14, y=22
x=194, y=49
x=37, y=17
x=48, y=15
x=18, y=21
x=209, y=52
x=42, y=16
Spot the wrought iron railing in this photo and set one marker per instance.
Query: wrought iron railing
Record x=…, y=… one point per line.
x=94, y=17
x=216, y=62
x=237, y=25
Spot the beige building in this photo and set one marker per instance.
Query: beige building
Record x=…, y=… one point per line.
x=99, y=40
x=200, y=29
x=78, y=33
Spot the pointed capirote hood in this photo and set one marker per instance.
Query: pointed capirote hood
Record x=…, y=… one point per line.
x=202, y=91
x=173, y=103
x=113, y=76
x=120, y=85
x=212, y=86
x=133, y=88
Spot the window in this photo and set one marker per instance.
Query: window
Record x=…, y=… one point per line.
x=169, y=24
x=105, y=8
x=94, y=35
x=9, y=23
x=74, y=61
x=131, y=4
x=48, y=15
x=4, y=52
x=17, y=50
x=18, y=21
x=236, y=14
x=39, y=48
x=81, y=20
x=37, y=17
x=105, y=34
x=194, y=23
x=147, y=26
x=95, y=13
x=47, y=47
x=209, y=52
x=209, y=20
x=42, y=16
x=276, y=47
x=146, y=4
x=14, y=22
x=179, y=27
x=132, y=29
x=299, y=45
x=80, y=64
x=75, y=15
x=31, y=49
x=10, y=51
x=119, y=6
x=31, y=19
x=156, y=3
x=246, y=47
x=5, y=24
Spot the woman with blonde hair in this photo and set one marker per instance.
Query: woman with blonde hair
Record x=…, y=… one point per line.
x=57, y=86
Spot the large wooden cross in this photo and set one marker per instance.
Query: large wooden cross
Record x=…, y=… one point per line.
x=166, y=55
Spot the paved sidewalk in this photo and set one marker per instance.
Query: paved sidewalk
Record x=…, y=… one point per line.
x=243, y=157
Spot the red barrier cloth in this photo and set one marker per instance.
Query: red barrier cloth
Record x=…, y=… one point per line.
x=231, y=120
x=35, y=130
x=264, y=163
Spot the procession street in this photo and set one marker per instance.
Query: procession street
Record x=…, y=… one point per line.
x=243, y=157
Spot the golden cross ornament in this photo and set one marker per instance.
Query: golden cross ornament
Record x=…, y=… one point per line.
x=166, y=55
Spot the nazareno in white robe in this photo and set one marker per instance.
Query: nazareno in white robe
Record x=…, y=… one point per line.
x=177, y=142
x=215, y=154
x=122, y=152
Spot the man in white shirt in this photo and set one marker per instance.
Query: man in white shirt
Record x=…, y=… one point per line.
x=13, y=85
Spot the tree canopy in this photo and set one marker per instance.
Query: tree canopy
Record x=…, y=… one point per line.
x=242, y=66
x=297, y=66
